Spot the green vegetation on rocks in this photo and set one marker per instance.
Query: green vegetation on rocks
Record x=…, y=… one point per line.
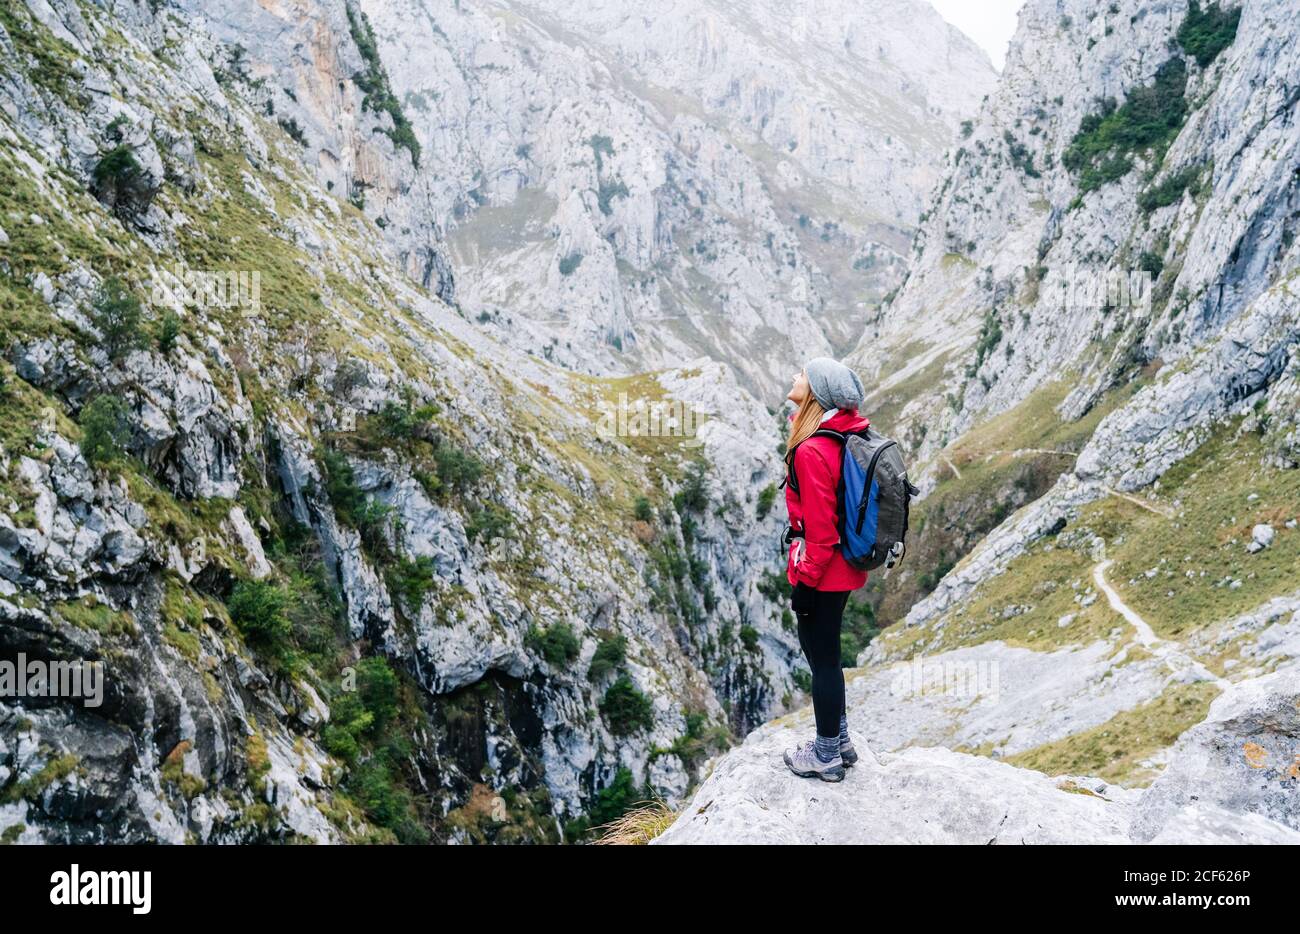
x=557, y=643
x=373, y=82
x=1170, y=191
x=1182, y=564
x=611, y=651
x=121, y=183
x=117, y=315
x=700, y=740
x=54, y=770
x=52, y=57
x=570, y=262
x=1107, y=141
x=1192, y=570
x=173, y=772
x=996, y=467
x=104, y=430
x=1020, y=155
x=169, y=329
x=93, y=614
x=411, y=579
x=990, y=337
x=625, y=709
x=488, y=523
x=611, y=802
x=607, y=193
x=249, y=207
x=365, y=732
x=257, y=608
x=353, y=507
x=1207, y=31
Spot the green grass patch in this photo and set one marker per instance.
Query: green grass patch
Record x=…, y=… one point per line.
x=91, y=613
x=884, y=405
x=1023, y=605
x=1115, y=750
x=173, y=773
x=1005, y=461
x=1179, y=573
x=55, y=770
x=51, y=57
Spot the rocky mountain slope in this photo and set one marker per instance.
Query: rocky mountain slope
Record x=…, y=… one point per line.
x=624, y=189
x=1122, y=214
x=283, y=450
x=354, y=570
x=1071, y=238
x=1107, y=556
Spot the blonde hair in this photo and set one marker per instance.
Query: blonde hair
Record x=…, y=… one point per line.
x=807, y=419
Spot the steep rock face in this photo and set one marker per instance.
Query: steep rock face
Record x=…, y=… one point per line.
x=1152, y=284
x=1050, y=250
x=355, y=571
x=300, y=64
x=623, y=191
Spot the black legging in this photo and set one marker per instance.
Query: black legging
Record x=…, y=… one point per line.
x=819, y=637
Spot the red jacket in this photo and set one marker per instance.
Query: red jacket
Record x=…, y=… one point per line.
x=815, y=559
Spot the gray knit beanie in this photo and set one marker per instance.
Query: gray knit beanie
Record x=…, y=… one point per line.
x=833, y=384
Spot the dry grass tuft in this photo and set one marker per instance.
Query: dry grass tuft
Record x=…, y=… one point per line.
x=638, y=826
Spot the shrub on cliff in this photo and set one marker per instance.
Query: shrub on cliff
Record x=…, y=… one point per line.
x=121, y=183
x=104, y=430
x=625, y=709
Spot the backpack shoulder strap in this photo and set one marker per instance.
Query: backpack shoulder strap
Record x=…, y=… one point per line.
x=830, y=433
x=820, y=432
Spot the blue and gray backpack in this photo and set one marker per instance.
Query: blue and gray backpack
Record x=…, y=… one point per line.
x=874, y=498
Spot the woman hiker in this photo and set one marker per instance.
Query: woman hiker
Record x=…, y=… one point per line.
x=827, y=394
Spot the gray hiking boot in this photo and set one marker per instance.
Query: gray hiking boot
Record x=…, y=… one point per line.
x=803, y=761
x=848, y=753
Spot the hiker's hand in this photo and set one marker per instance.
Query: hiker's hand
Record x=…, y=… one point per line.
x=801, y=601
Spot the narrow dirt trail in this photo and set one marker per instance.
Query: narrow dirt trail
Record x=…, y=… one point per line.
x=1173, y=653
x=1146, y=635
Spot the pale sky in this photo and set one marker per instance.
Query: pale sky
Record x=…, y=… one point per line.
x=991, y=23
